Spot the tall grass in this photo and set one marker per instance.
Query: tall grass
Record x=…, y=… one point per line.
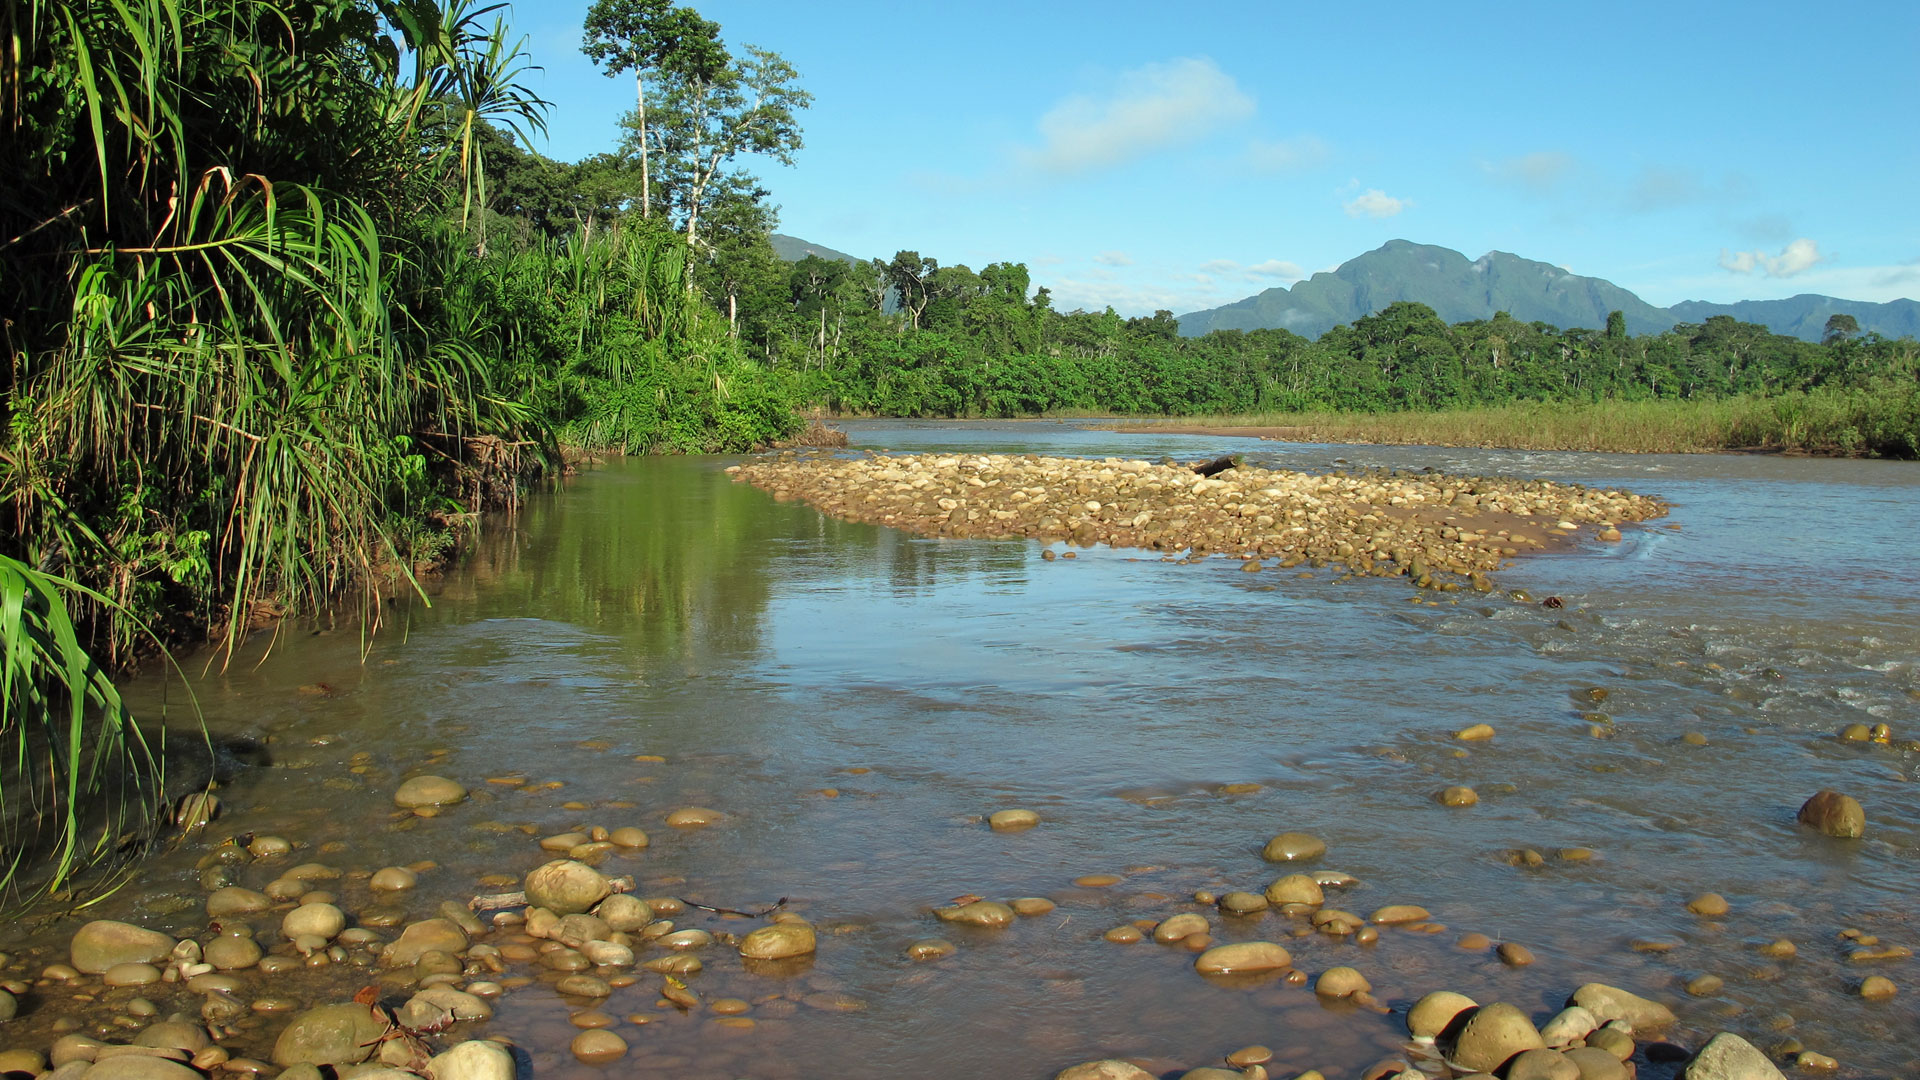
x=1881, y=420
x=81, y=784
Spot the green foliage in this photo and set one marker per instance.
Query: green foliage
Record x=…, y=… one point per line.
x=79, y=778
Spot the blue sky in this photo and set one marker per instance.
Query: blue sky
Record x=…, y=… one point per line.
x=1155, y=155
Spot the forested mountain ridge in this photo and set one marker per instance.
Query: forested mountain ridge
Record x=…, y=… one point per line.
x=1460, y=290
x=793, y=249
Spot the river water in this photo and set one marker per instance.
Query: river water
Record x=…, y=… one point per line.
x=855, y=700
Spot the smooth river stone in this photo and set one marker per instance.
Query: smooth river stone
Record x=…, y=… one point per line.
x=102, y=944
x=1030, y=906
x=1012, y=820
x=930, y=949
x=393, y=879
x=425, y=936
x=598, y=1046
x=1729, y=1057
x=1432, y=1014
x=1474, y=733
x=624, y=913
x=778, y=942
x=629, y=837
x=1835, y=814
x=1543, y=1064
x=1293, y=847
x=1243, y=903
x=230, y=953
x=979, y=913
x=1612, y=1003
x=437, y=1004
x=234, y=900
x=566, y=887
x=1492, y=1036
x=316, y=920
x=694, y=817
x=1400, y=913
x=428, y=791
x=131, y=975
x=475, y=1059
x=1104, y=1070
x=1179, y=927
x=331, y=1034
x=1296, y=889
x=1571, y=1024
x=1339, y=982
x=1242, y=956
x=139, y=1067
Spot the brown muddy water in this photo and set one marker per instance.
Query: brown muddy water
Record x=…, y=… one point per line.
x=856, y=701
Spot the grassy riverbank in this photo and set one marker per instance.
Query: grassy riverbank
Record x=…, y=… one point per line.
x=1880, y=421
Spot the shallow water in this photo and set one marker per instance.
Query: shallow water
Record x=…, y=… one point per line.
x=771, y=655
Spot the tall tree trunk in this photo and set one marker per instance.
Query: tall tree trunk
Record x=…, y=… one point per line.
x=646, y=183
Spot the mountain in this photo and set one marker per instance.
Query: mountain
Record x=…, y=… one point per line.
x=793, y=249
x=1805, y=316
x=1459, y=290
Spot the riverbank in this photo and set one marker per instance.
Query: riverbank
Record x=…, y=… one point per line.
x=1426, y=526
x=1880, y=422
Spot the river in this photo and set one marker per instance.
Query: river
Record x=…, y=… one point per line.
x=856, y=700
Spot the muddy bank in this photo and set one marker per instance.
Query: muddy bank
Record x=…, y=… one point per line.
x=1421, y=525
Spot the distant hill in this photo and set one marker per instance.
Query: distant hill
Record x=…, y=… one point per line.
x=1460, y=290
x=1805, y=316
x=793, y=249
x=1457, y=288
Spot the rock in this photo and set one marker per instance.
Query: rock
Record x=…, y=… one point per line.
x=1613, y=1041
x=1514, y=954
x=1572, y=1024
x=1028, y=907
x=1474, y=733
x=234, y=900
x=1242, y=956
x=393, y=879
x=1293, y=847
x=1612, y=1003
x=421, y=938
x=1458, y=795
x=1810, y=1061
x=624, y=913
x=1339, y=982
x=565, y=887
x=778, y=942
x=1401, y=913
x=1877, y=988
x=9, y=1006
x=1543, y=1064
x=329, y=1035
x=1250, y=1055
x=174, y=1035
x=577, y=930
x=1295, y=889
x=1492, y=1036
x=1835, y=814
x=131, y=975
x=1104, y=1070
x=1180, y=927
x=1435, y=1012
x=1243, y=903
x=607, y=954
x=1209, y=1072
x=137, y=1067
x=475, y=1059
x=1708, y=904
x=428, y=791
x=1729, y=1057
x=101, y=944
x=694, y=817
x=930, y=949
x=978, y=913
x=598, y=1046
x=1594, y=1063
x=316, y=920
x=436, y=1005
x=1012, y=820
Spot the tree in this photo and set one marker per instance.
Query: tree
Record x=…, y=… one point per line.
x=909, y=276
x=1839, y=328
x=710, y=116
x=651, y=35
x=1616, y=326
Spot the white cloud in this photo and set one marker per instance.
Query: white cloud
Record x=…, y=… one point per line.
x=1796, y=258
x=1154, y=108
x=1277, y=268
x=1540, y=172
x=1287, y=155
x=1131, y=300
x=1113, y=258
x=1375, y=203
x=1221, y=266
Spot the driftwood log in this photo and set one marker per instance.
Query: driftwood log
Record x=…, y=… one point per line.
x=1217, y=465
